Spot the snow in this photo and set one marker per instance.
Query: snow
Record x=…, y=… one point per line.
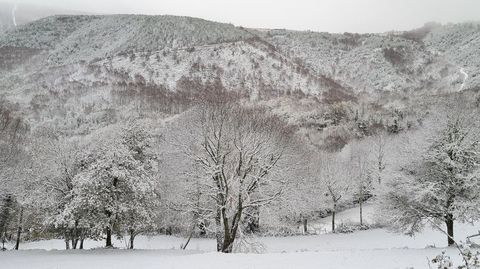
x=398, y=258
x=376, y=248
x=465, y=77
x=85, y=38
x=349, y=216
x=459, y=44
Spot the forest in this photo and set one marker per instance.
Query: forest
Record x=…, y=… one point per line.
x=226, y=169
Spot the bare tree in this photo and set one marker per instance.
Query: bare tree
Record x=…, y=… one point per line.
x=360, y=165
x=238, y=150
x=379, y=151
x=334, y=176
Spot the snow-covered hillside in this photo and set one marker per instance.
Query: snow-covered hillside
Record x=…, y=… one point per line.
x=364, y=63
x=460, y=44
x=74, y=38
x=381, y=62
x=110, y=63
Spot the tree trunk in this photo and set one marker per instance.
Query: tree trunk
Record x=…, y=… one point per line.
x=218, y=229
x=74, y=235
x=305, y=226
x=108, y=242
x=189, y=237
x=230, y=228
x=228, y=244
x=449, y=223
x=188, y=240
x=81, y=243
x=74, y=243
x=132, y=238
x=19, y=229
x=219, y=226
x=333, y=218
x=67, y=238
x=5, y=217
x=361, y=211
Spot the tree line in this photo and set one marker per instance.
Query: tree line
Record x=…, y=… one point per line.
x=226, y=168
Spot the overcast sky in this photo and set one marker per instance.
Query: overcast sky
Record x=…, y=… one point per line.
x=316, y=15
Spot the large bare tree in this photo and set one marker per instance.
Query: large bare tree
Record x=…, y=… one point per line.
x=238, y=150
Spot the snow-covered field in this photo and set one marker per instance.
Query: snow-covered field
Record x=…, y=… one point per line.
x=375, y=258
x=365, y=249
x=376, y=248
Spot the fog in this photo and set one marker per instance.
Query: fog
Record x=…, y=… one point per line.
x=316, y=15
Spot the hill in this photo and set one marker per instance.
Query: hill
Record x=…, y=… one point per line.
x=78, y=72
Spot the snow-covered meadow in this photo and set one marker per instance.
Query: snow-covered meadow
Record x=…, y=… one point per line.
x=363, y=249
x=375, y=248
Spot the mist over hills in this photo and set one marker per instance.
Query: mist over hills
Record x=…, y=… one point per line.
x=14, y=14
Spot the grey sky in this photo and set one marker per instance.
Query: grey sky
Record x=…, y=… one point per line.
x=316, y=15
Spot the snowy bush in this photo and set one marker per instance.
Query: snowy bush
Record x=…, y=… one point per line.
x=470, y=259
x=443, y=261
x=350, y=227
x=344, y=228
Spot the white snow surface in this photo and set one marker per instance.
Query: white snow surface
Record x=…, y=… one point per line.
x=376, y=248
x=123, y=259
x=349, y=216
x=366, y=249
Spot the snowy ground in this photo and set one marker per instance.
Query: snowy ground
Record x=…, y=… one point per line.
x=349, y=216
x=375, y=248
